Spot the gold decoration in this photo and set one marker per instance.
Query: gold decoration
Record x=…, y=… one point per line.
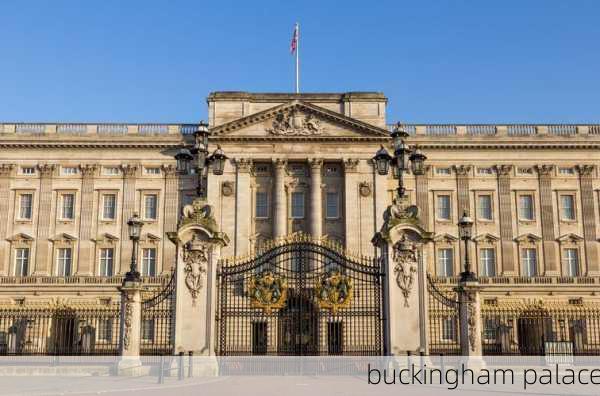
x=335, y=291
x=267, y=291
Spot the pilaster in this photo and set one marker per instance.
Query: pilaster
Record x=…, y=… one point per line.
x=422, y=193
x=5, y=174
x=279, y=198
x=586, y=175
x=352, y=215
x=243, y=208
x=43, y=255
x=506, y=229
x=129, y=172
x=86, y=245
x=462, y=197
x=547, y=219
x=316, y=197
x=171, y=214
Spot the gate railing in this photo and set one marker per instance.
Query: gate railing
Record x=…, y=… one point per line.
x=45, y=329
x=157, y=327
x=443, y=319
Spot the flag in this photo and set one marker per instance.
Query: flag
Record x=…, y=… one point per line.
x=294, y=43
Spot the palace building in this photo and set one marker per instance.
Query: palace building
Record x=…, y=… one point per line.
x=299, y=209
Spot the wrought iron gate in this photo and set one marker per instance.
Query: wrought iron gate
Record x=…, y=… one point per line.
x=157, y=325
x=300, y=297
x=443, y=326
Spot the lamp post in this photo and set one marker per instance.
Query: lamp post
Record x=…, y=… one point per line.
x=135, y=231
x=465, y=231
x=404, y=156
x=195, y=159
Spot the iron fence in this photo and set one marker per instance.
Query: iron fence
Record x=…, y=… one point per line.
x=443, y=319
x=157, y=327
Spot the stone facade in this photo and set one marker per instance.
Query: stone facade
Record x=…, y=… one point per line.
x=297, y=162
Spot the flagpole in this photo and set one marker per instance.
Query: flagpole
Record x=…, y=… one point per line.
x=297, y=57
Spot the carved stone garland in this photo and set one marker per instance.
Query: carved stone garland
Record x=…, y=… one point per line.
x=471, y=320
x=405, y=268
x=128, y=319
x=195, y=258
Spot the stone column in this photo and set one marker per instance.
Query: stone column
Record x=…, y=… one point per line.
x=86, y=245
x=462, y=198
x=129, y=175
x=171, y=214
x=505, y=216
x=422, y=193
x=43, y=252
x=353, y=229
x=243, y=208
x=547, y=218
x=279, y=199
x=470, y=320
x=316, y=198
x=131, y=325
x=586, y=175
x=5, y=173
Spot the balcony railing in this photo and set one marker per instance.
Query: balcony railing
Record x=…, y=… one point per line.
x=72, y=280
x=523, y=280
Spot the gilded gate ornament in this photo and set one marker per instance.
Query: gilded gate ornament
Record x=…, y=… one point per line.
x=267, y=291
x=195, y=258
x=335, y=291
x=405, y=259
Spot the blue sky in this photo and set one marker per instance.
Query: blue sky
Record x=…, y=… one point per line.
x=437, y=61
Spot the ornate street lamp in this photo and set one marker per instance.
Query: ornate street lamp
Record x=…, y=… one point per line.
x=404, y=156
x=135, y=231
x=196, y=158
x=465, y=231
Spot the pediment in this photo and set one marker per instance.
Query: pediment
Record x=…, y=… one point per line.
x=486, y=237
x=298, y=119
x=445, y=238
x=148, y=237
x=573, y=238
x=63, y=237
x=106, y=238
x=531, y=238
x=20, y=237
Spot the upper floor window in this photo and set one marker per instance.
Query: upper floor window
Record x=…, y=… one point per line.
x=443, y=207
x=567, y=207
x=70, y=170
x=332, y=205
x=25, y=206
x=443, y=171
x=150, y=206
x=485, y=171
x=445, y=262
x=571, y=261
x=529, y=262
x=105, y=330
x=152, y=170
x=28, y=170
x=149, y=262
x=487, y=262
x=106, y=267
x=332, y=170
x=484, y=206
x=526, y=207
x=297, y=170
x=109, y=206
x=64, y=260
x=297, y=205
x=67, y=206
x=566, y=171
x=22, y=262
x=111, y=170
x=524, y=170
x=262, y=208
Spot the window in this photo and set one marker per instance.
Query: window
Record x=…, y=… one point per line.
x=262, y=208
x=150, y=206
x=484, y=206
x=25, y=206
x=529, y=261
x=109, y=206
x=526, y=207
x=332, y=205
x=70, y=170
x=111, y=170
x=106, y=261
x=297, y=205
x=148, y=330
x=259, y=338
x=442, y=171
x=487, y=262
x=571, y=261
x=525, y=171
x=332, y=170
x=449, y=329
x=490, y=329
x=566, y=171
x=485, y=171
x=22, y=262
x=105, y=327
x=63, y=262
x=443, y=207
x=567, y=207
x=149, y=262
x=445, y=262
x=68, y=206
x=28, y=170
x=297, y=170
x=152, y=171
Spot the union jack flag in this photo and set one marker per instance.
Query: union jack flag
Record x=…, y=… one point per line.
x=294, y=43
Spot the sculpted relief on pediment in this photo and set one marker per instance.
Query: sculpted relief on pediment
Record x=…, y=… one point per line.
x=292, y=122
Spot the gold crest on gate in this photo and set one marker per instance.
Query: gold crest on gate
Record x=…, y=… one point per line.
x=335, y=291
x=267, y=291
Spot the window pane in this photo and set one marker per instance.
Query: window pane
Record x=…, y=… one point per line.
x=149, y=262
x=110, y=206
x=63, y=259
x=68, y=206
x=105, y=329
x=487, y=259
x=571, y=262
x=332, y=211
x=443, y=207
x=262, y=209
x=449, y=329
x=568, y=207
x=526, y=207
x=529, y=262
x=22, y=262
x=485, y=207
x=150, y=206
x=106, y=262
x=445, y=262
x=298, y=205
x=26, y=206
